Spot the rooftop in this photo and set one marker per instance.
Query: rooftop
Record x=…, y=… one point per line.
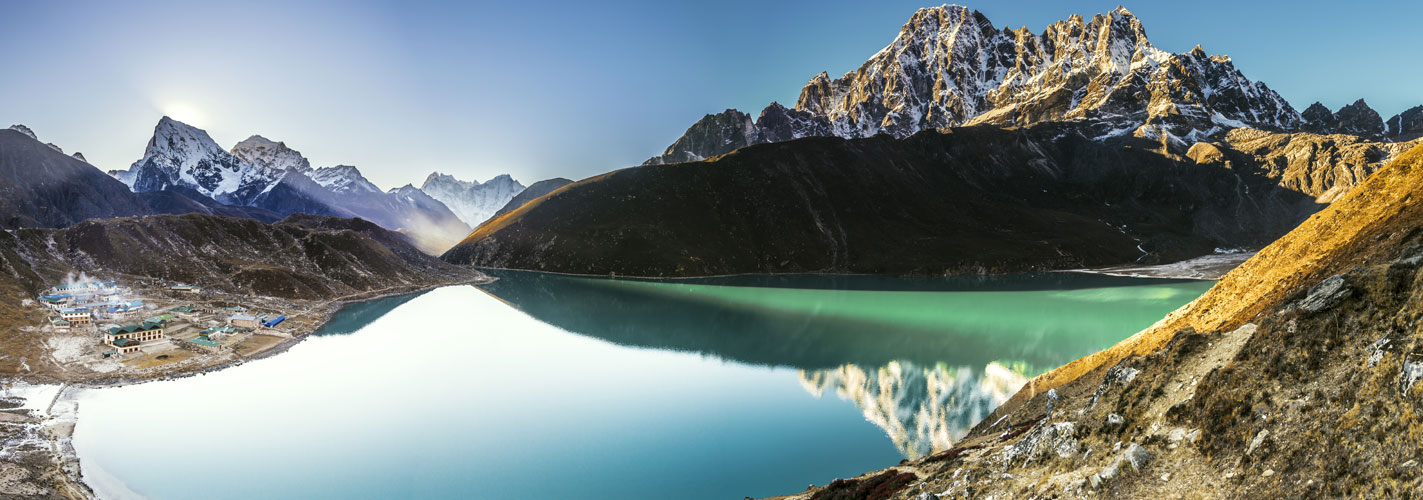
x=203, y=341
x=135, y=328
x=125, y=342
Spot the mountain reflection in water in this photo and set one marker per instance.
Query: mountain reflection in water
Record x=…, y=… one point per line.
x=923, y=409
x=923, y=358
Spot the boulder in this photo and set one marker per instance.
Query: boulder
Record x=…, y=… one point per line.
x=1058, y=438
x=1137, y=456
x=1326, y=294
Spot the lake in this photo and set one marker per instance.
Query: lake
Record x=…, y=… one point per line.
x=546, y=386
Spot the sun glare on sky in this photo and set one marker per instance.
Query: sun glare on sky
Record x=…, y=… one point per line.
x=185, y=112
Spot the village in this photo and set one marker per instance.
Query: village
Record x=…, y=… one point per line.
x=108, y=326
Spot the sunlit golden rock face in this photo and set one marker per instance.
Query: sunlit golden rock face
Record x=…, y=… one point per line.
x=922, y=409
x=1324, y=167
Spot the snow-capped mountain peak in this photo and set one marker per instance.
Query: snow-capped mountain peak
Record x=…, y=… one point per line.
x=343, y=179
x=949, y=66
x=183, y=155
x=473, y=202
x=267, y=153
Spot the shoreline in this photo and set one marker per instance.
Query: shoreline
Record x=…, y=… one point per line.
x=1207, y=267
x=56, y=423
x=332, y=307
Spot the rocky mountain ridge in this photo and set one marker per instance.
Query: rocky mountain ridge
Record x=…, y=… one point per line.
x=949, y=66
x=1361, y=120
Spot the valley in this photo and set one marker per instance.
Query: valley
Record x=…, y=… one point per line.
x=1060, y=261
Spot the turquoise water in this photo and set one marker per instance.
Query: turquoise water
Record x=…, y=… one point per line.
x=549, y=386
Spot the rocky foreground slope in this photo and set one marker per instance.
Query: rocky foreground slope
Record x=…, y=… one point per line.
x=1296, y=376
x=970, y=199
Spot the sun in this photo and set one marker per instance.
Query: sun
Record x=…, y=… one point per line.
x=185, y=112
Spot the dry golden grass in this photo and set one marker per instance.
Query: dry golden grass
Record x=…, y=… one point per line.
x=151, y=359
x=1347, y=233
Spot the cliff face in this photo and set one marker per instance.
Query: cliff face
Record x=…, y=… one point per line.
x=1296, y=376
x=1324, y=167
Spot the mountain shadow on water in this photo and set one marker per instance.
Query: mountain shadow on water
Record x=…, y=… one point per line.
x=357, y=315
x=813, y=329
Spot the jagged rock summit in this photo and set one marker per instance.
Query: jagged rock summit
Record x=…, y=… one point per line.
x=1359, y=119
x=24, y=130
x=949, y=66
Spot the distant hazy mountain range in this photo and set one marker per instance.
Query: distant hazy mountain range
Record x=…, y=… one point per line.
x=269, y=175
x=949, y=66
x=183, y=170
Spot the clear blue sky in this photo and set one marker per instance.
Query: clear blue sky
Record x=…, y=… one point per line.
x=555, y=88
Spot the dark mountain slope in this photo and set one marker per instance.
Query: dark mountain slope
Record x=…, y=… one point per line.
x=968, y=200
x=183, y=200
x=304, y=256
x=535, y=190
x=42, y=187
